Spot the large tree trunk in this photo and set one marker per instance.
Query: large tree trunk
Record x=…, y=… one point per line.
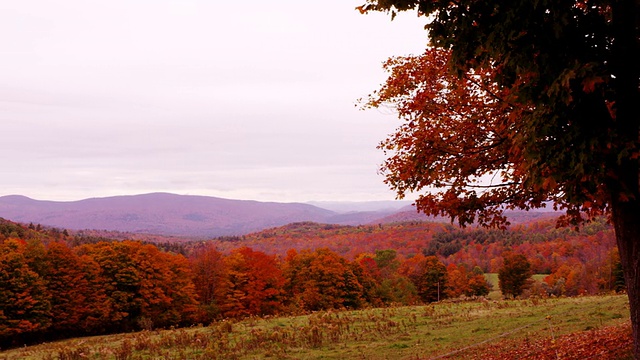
x=625, y=188
x=626, y=219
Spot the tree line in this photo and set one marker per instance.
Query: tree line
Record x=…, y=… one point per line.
x=52, y=286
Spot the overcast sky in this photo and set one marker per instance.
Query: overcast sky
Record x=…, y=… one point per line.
x=241, y=100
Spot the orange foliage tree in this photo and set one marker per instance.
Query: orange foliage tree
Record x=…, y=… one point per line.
x=456, y=130
x=78, y=300
x=321, y=280
x=464, y=282
x=565, y=81
x=145, y=287
x=428, y=274
x=24, y=301
x=458, y=281
x=478, y=284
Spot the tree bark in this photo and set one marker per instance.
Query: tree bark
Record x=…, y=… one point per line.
x=625, y=188
x=626, y=219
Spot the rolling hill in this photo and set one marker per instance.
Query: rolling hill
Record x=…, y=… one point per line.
x=171, y=214
x=196, y=216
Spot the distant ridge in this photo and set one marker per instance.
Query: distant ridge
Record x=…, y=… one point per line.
x=160, y=213
x=191, y=215
x=170, y=214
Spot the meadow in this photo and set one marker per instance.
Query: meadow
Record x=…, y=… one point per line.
x=536, y=328
x=496, y=294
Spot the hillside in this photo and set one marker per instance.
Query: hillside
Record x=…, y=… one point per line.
x=547, y=246
x=407, y=238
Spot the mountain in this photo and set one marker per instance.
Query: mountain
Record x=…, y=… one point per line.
x=201, y=216
x=161, y=213
x=362, y=206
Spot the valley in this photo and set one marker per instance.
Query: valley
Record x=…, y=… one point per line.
x=417, y=288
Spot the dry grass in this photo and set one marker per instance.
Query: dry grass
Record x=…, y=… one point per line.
x=418, y=332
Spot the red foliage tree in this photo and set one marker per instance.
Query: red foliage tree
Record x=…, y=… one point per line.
x=211, y=280
x=515, y=275
x=255, y=283
x=365, y=268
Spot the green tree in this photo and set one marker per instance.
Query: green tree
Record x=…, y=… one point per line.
x=399, y=290
x=553, y=114
x=380, y=279
x=387, y=262
x=515, y=275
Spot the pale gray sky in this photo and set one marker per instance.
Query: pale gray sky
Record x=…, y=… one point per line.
x=241, y=100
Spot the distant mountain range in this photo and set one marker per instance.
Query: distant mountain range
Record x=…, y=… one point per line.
x=171, y=214
x=191, y=216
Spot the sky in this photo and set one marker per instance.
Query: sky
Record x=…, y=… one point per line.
x=250, y=100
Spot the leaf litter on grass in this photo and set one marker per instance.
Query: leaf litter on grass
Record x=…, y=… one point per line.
x=608, y=343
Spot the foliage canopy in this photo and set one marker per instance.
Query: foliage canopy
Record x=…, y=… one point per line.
x=517, y=106
x=539, y=97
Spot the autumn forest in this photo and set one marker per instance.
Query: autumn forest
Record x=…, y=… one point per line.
x=61, y=284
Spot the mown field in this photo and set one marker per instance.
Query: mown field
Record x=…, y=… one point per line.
x=568, y=328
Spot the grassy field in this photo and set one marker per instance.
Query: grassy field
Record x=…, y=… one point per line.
x=495, y=293
x=418, y=332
